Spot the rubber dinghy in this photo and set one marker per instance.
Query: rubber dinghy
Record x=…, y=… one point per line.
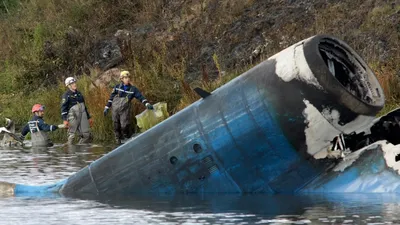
x=286, y=125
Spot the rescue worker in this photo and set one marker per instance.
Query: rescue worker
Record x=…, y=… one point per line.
x=120, y=102
x=38, y=128
x=75, y=114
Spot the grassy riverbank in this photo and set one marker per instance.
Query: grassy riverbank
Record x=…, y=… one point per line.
x=18, y=106
x=175, y=45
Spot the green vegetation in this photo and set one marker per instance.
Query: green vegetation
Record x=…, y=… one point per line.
x=44, y=41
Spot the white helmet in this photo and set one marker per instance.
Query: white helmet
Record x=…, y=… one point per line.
x=69, y=81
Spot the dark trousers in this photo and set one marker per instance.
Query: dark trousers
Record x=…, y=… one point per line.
x=121, y=116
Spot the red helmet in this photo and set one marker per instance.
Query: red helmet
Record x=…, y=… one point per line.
x=37, y=107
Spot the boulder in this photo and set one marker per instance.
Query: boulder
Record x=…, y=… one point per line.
x=107, y=79
x=105, y=54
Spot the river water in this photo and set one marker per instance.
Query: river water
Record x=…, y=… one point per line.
x=46, y=166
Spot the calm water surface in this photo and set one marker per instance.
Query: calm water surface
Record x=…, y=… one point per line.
x=44, y=166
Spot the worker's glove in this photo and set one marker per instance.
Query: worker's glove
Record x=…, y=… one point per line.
x=149, y=106
x=105, y=111
x=61, y=126
x=91, y=122
x=66, y=124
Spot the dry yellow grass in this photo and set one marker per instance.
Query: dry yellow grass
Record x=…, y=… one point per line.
x=371, y=30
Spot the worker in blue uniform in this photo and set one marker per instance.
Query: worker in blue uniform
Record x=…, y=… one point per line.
x=38, y=128
x=75, y=114
x=120, y=102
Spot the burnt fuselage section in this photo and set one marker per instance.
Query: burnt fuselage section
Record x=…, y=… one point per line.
x=268, y=130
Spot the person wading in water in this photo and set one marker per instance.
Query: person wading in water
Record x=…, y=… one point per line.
x=38, y=128
x=75, y=114
x=120, y=102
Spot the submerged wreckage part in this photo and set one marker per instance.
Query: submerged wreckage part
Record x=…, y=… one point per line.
x=253, y=134
x=374, y=168
x=264, y=131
